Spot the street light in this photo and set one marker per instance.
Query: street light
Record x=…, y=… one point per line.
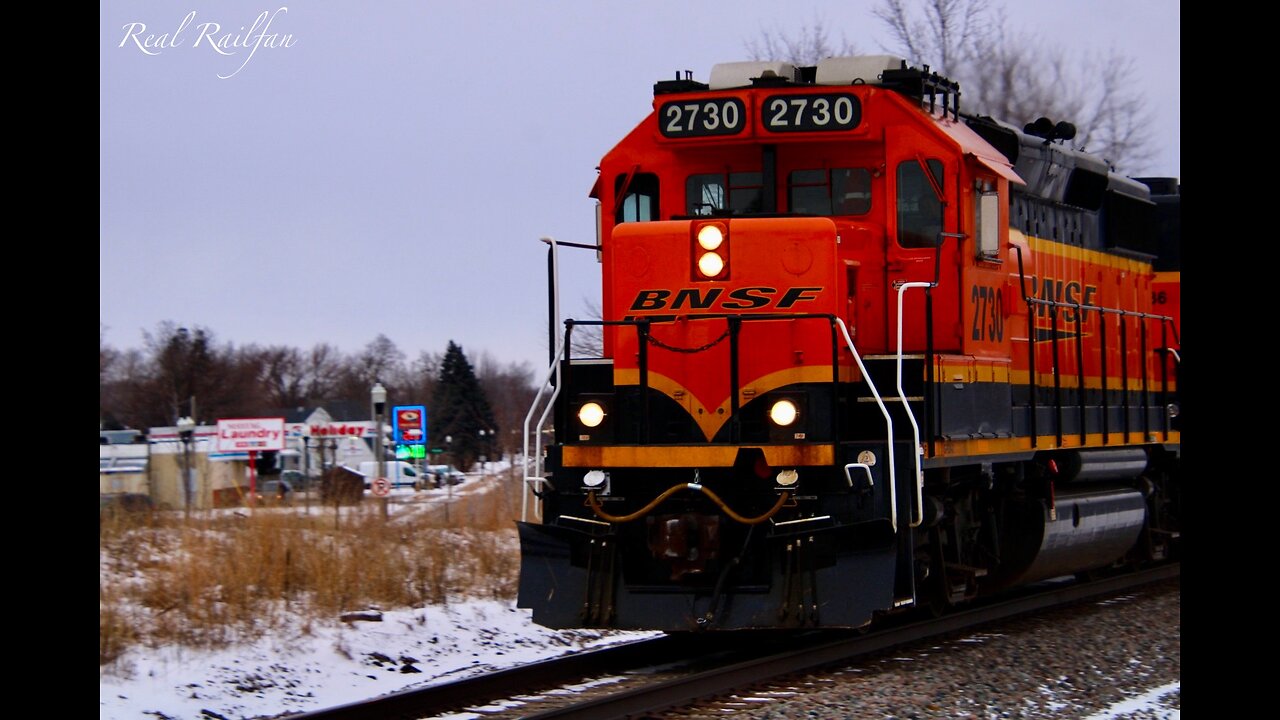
x=448, y=472
x=487, y=438
x=186, y=428
x=379, y=396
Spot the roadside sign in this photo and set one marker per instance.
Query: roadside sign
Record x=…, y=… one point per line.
x=382, y=487
x=410, y=424
x=250, y=434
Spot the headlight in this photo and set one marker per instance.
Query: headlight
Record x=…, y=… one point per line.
x=710, y=237
x=783, y=412
x=787, y=478
x=595, y=478
x=710, y=264
x=591, y=414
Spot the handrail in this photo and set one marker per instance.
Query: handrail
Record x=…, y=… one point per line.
x=871, y=482
x=888, y=421
x=1166, y=324
x=537, y=477
x=554, y=257
x=844, y=331
x=917, y=448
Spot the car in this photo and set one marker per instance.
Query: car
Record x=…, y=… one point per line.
x=398, y=472
x=296, y=479
x=274, y=491
x=446, y=474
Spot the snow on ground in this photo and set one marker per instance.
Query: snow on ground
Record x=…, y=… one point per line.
x=335, y=665
x=319, y=665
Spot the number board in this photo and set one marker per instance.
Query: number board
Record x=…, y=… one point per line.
x=810, y=113
x=702, y=118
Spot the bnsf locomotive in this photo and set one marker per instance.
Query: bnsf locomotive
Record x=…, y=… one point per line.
x=861, y=353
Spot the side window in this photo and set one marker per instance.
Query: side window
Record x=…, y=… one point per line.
x=919, y=208
x=724, y=194
x=640, y=203
x=841, y=191
x=988, y=218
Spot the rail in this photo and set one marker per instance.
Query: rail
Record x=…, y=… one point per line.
x=537, y=478
x=888, y=421
x=917, y=450
x=553, y=305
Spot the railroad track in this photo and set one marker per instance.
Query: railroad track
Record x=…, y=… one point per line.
x=642, y=679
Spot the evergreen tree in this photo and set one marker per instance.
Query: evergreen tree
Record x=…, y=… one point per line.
x=460, y=410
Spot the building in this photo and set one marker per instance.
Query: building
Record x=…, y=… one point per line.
x=153, y=463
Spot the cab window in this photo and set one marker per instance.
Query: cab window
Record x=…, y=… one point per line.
x=839, y=191
x=919, y=208
x=724, y=193
x=640, y=203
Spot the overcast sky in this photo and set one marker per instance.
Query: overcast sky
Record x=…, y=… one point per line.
x=389, y=167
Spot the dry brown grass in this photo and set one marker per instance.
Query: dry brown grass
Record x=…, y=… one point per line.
x=208, y=580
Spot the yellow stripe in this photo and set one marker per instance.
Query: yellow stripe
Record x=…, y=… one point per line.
x=1093, y=382
x=1072, y=252
x=996, y=446
x=691, y=456
x=1169, y=276
x=709, y=421
x=948, y=373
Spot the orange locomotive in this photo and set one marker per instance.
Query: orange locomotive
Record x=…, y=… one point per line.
x=861, y=353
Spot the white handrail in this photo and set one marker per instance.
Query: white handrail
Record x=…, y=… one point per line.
x=888, y=421
x=871, y=482
x=537, y=477
x=555, y=368
x=902, y=395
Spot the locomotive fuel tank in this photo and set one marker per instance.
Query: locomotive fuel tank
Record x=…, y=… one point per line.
x=1085, y=529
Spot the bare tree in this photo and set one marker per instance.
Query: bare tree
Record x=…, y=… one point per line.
x=1012, y=76
x=588, y=340
x=323, y=372
x=943, y=34
x=380, y=361
x=419, y=382
x=805, y=48
x=510, y=391
x=183, y=372
x=1017, y=77
x=282, y=375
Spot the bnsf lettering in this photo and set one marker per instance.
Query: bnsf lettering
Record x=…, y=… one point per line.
x=795, y=295
x=651, y=300
x=747, y=298
x=696, y=301
x=1069, y=292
